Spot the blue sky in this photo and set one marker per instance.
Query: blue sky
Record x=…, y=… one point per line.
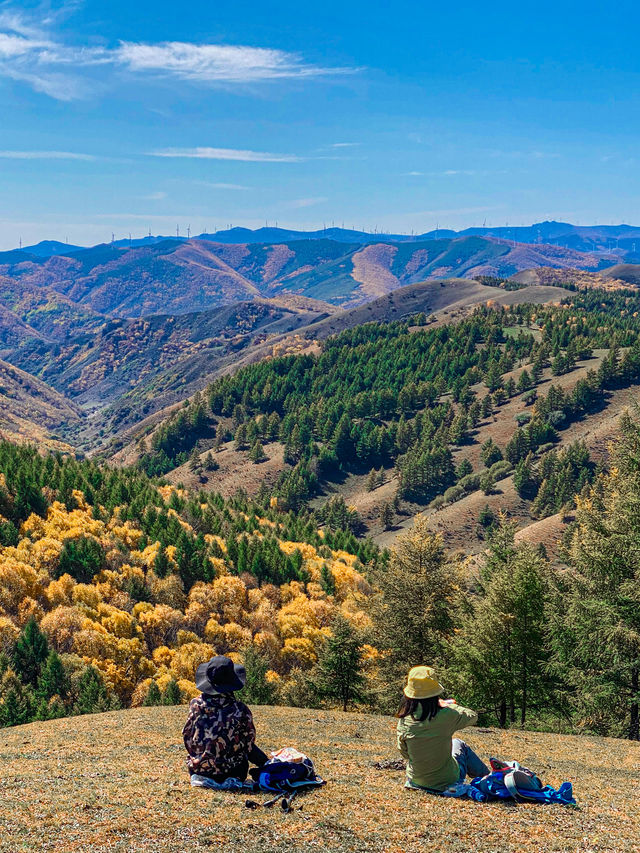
x=127, y=116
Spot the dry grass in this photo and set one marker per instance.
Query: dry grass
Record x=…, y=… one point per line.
x=117, y=782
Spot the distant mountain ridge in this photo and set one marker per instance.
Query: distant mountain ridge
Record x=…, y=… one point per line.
x=179, y=277
x=586, y=238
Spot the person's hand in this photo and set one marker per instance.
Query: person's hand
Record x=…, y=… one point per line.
x=445, y=702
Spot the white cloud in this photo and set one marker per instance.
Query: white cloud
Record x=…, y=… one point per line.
x=45, y=155
x=31, y=54
x=242, y=155
x=299, y=203
x=217, y=62
x=219, y=185
x=156, y=196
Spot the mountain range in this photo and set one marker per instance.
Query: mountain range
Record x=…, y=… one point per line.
x=624, y=239
x=181, y=277
x=124, y=331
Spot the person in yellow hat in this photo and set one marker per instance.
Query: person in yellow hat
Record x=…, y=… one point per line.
x=426, y=724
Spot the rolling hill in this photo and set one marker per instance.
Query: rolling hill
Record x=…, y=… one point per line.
x=31, y=410
x=124, y=786
x=182, y=277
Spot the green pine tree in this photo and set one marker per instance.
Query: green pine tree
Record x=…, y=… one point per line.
x=30, y=653
x=93, y=695
x=596, y=621
x=153, y=697
x=339, y=675
x=172, y=694
x=17, y=704
x=257, y=454
x=498, y=656
x=53, y=680
x=257, y=690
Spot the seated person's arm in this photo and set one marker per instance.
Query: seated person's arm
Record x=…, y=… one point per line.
x=465, y=716
x=254, y=754
x=402, y=746
x=257, y=756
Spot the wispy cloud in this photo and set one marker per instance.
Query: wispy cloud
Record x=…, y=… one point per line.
x=218, y=63
x=156, y=196
x=239, y=154
x=452, y=173
x=45, y=155
x=31, y=52
x=299, y=203
x=456, y=211
x=220, y=185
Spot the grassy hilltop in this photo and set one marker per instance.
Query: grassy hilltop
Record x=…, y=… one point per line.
x=117, y=782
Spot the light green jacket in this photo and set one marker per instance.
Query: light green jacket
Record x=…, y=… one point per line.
x=426, y=746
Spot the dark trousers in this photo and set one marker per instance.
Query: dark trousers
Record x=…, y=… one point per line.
x=239, y=771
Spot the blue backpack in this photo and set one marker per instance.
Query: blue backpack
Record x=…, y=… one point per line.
x=280, y=776
x=508, y=780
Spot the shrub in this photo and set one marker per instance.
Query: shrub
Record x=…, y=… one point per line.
x=453, y=493
x=471, y=482
x=522, y=418
x=545, y=448
x=500, y=470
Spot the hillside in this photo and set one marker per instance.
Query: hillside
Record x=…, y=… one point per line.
x=181, y=277
x=414, y=406
x=32, y=411
x=160, y=355
x=448, y=300
x=124, y=787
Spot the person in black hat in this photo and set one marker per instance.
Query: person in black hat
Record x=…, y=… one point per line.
x=219, y=734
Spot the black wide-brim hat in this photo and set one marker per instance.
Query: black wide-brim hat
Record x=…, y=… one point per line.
x=220, y=675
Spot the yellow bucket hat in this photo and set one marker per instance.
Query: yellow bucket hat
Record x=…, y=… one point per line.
x=422, y=683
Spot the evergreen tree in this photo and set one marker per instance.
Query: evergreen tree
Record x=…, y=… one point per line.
x=257, y=690
x=490, y=453
x=414, y=614
x=81, y=558
x=194, y=460
x=53, y=680
x=596, y=628
x=153, y=696
x=524, y=478
x=16, y=701
x=172, y=694
x=339, y=674
x=372, y=480
x=499, y=655
x=93, y=695
x=463, y=469
x=327, y=581
x=493, y=377
x=257, y=453
x=30, y=653
x=386, y=516
x=488, y=483
x=161, y=565
x=240, y=437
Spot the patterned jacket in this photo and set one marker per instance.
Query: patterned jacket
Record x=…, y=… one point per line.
x=218, y=735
